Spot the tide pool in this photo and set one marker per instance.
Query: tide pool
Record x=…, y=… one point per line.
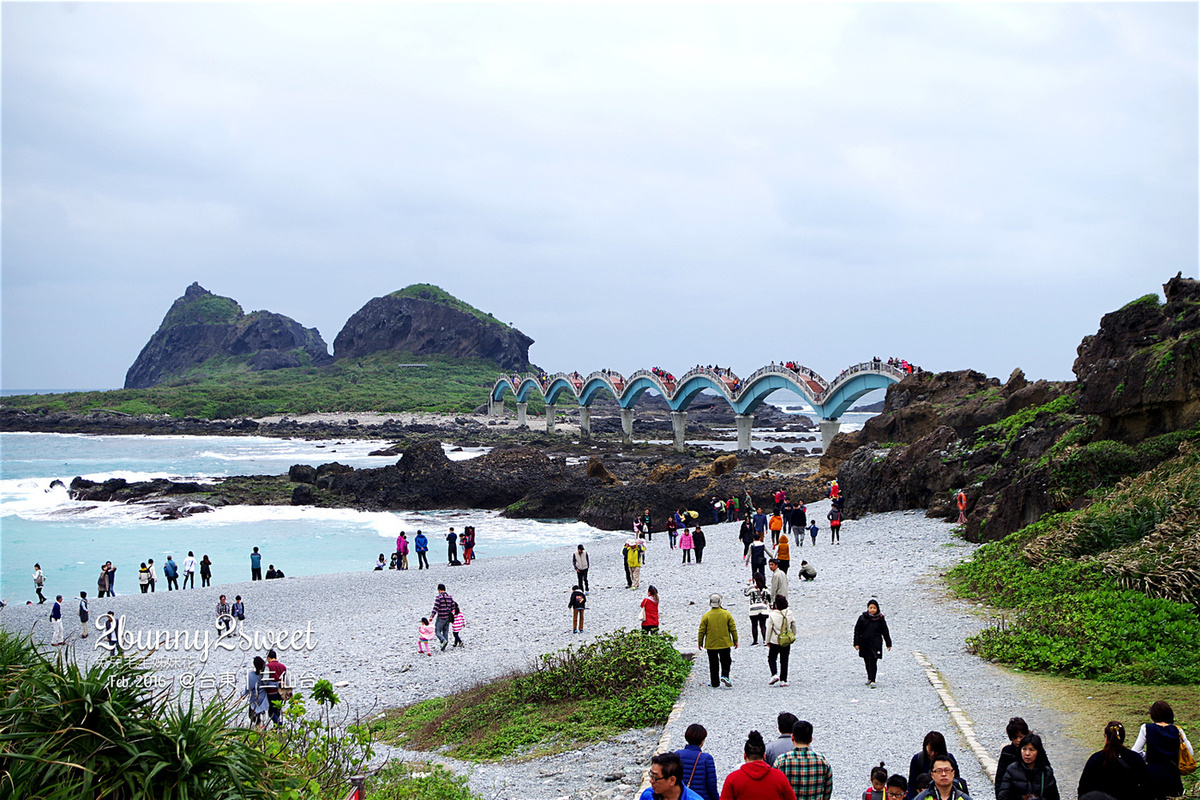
x=72, y=539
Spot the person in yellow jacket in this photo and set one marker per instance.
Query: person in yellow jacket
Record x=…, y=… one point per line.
x=718, y=633
x=634, y=552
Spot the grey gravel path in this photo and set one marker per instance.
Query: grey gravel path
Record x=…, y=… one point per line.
x=364, y=630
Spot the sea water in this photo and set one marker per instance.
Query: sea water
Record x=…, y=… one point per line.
x=72, y=539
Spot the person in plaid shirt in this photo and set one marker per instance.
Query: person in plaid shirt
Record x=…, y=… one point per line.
x=807, y=771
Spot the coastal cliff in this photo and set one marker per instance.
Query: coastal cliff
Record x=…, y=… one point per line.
x=1020, y=450
x=201, y=326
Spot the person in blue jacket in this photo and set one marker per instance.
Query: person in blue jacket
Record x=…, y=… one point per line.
x=699, y=770
x=421, y=545
x=666, y=781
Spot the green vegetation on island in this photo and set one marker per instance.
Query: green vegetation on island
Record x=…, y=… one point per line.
x=573, y=697
x=226, y=388
x=436, y=294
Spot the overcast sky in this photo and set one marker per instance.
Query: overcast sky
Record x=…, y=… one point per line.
x=963, y=185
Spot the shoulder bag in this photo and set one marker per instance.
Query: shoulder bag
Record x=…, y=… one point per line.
x=1187, y=761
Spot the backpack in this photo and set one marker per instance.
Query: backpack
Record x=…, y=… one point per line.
x=786, y=636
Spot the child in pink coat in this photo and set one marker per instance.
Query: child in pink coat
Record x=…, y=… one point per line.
x=425, y=635
x=685, y=544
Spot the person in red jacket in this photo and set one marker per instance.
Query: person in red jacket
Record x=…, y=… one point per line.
x=756, y=779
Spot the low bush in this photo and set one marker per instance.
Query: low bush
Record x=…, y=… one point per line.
x=575, y=696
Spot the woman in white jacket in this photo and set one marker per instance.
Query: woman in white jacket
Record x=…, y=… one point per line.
x=780, y=622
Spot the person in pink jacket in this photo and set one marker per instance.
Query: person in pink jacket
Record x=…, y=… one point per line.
x=685, y=544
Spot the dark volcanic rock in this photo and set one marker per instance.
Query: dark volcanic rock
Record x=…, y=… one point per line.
x=1141, y=371
x=427, y=326
x=201, y=325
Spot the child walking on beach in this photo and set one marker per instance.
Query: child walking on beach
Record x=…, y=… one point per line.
x=425, y=635
x=457, y=625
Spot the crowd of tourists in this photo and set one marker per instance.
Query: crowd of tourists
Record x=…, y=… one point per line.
x=789, y=768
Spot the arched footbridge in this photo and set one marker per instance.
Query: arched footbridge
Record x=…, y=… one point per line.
x=829, y=399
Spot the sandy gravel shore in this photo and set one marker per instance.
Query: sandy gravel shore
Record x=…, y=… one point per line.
x=362, y=627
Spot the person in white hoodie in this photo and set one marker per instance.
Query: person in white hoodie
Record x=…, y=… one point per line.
x=189, y=570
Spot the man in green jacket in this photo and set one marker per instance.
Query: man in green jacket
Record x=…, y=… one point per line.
x=718, y=633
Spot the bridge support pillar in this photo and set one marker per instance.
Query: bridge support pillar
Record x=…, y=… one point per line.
x=495, y=407
x=521, y=407
x=585, y=423
x=678, y=427
x=829, y=429
x=550, y=409
x=745, y=423
x=627, y=425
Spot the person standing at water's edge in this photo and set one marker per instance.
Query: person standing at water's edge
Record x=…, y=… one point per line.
x=153, y=574
x=189, y=570
x=402, y=549
x=443, y=614
x=171, y=573
x=452, y=548
x=39, y=580
x=421, y=544
x=582, y=563
x=205, y=571
x=255, y=565
x=870, y=632
x=717, y=634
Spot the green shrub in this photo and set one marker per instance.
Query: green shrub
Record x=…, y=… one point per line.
x=418, y=782
x=68, y=732
x=623, y=680
x=1106, y=635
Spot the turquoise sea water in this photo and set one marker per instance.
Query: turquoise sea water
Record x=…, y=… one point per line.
x=71, y=539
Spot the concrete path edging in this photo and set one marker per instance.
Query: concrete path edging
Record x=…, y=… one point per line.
x=957, y=714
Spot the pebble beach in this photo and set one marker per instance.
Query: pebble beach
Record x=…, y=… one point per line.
x=359, y=630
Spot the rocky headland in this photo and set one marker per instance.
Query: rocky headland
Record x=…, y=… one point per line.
x=1019, y=449
x=201, y=326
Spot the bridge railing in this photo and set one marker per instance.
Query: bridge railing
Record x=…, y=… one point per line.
x=779, y=369
x=721, y=377
x=613, y=378
x=667, y=387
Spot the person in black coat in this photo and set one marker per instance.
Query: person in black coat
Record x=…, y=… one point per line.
x=870, y=632
x=1010, y=753
x=932, y=746
x=1116, y=770
x=1032, y=774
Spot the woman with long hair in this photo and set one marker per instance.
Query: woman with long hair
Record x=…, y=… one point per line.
x=756, y=779
x=1159, y=741
x=1031, y=775
x=780, y=622
x=256, y=690
x=1116, y=770
x=760, y=607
